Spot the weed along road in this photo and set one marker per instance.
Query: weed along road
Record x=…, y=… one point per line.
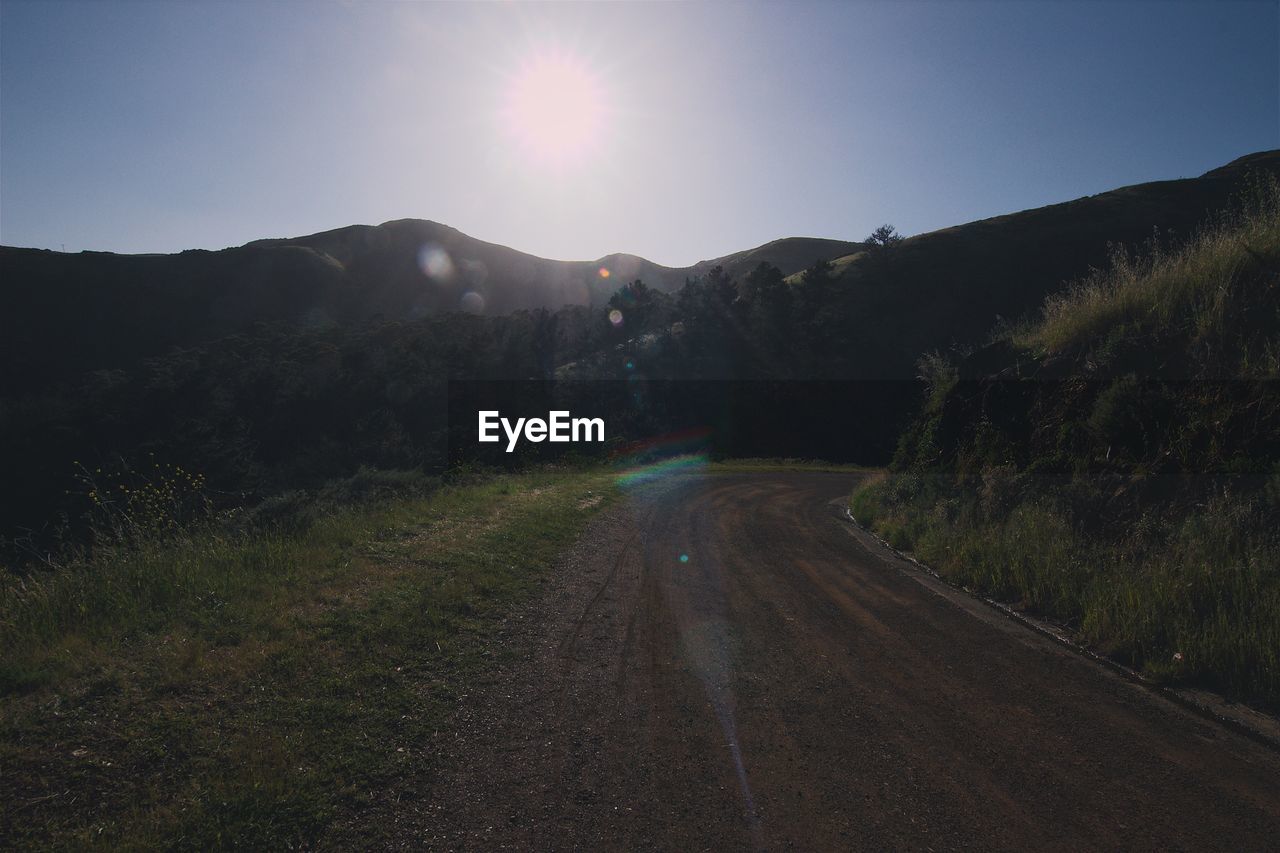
x=723, y=662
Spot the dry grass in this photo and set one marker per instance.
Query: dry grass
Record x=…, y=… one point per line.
x=1190, y=289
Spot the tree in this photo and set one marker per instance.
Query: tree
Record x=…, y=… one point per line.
x=708, y=307
x=822, y=320
x=818, y=288
x=768, y=295
x=708, y=299
x=884, y=237
x=640, y=306
x=769, y=315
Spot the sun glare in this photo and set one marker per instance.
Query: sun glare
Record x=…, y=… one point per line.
x=555, y=109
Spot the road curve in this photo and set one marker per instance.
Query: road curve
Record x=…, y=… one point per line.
x=793, y=685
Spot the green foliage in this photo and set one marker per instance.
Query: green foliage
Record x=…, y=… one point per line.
x=279, y=409
x=1114, y=466
x=1192, y=599
x=939, y=375
x=130, y=505
x=259, y=689
x=642, y=307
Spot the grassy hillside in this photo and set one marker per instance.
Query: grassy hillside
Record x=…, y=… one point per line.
x=790, y=255
x=264, y=685
x=954, y=285
x=1116, y=463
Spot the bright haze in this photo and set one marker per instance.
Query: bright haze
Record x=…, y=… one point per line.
x=673, y=131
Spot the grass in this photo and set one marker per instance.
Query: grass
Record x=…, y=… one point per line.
x=1193, y=292
x=263, y=689
x=1120, y=499
x=1190, y=600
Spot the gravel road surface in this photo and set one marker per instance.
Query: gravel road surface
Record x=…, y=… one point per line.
x=723, y=662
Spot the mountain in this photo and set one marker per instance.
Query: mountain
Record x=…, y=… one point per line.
x=62, y=314
x=790, y=255
x=953, y=286
x=873, y=313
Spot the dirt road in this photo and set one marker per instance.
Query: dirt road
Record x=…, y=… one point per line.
x=723, y=663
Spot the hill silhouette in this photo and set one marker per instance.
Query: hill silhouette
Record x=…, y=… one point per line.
x=61, y=314
x=954, y=285
x=871, y=314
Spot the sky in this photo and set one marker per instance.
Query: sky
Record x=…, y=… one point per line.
x=678, y=132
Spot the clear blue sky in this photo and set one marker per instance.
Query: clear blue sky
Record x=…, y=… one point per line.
x=138, y=127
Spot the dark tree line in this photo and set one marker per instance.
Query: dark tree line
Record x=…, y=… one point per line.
x=286, y=407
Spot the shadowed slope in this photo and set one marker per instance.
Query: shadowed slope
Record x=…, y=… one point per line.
x=102, y=310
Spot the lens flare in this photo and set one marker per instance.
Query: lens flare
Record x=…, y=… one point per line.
x=694, y=591
x=672, y=453
x=604, y=273
x=435, y=262
x=472, y=302
x=615, y=317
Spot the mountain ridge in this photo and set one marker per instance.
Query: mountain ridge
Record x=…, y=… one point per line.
x=107, y=311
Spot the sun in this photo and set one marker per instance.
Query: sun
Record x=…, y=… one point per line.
x=555, y=108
